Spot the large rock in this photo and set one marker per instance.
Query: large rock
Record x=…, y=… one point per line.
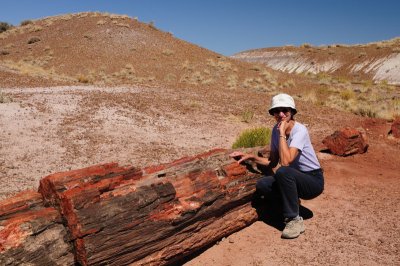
x=155, y=215
x=31, y=234
x=395, y=128
x=346, y=141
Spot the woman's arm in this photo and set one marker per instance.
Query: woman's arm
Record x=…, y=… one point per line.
x=274, y=159
x=286, y=154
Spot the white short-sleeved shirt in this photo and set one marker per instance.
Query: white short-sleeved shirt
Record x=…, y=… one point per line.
x=299, y=138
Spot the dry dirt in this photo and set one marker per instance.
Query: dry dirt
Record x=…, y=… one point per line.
x=354, y=222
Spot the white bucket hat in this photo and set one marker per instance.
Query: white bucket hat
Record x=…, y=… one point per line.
x=282, y=100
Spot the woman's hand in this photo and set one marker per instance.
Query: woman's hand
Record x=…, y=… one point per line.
x=236, y=154
x=241, y=157
x=283, y=126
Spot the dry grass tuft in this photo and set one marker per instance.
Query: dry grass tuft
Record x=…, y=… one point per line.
x=101, y=22
x=26, y=22
x=347, y=94
x=83, y=79
x=247, y=116
x=168, y=52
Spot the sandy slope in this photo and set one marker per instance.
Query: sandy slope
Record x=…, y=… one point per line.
x=355, y=221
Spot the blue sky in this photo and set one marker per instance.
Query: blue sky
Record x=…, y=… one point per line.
x=231, y=26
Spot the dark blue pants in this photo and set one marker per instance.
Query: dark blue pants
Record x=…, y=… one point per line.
x=289, y=185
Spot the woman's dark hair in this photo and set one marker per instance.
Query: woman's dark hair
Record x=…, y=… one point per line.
x=292, y=112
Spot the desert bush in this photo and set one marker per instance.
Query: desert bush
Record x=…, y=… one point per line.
x=255, y=68
x=362, y=54
x=232, y=81
x=152, y=25
x=347, y=94
x=101, y=22
x=5, y=26
x=305, y=45
x=310, y=96
x=26, y=22
x=251, y=82
x=269, y=78
x=35, y=28
x=186, y=65
x=123, y=25
x=368, y=83
x=170, y=77
x=219, y=64
x=4, y=98
x=83, y=79
x=289, y=84
x=247, y=116
x=167, y=52
x=365, y=111
x=33, y=40
x=253, y=137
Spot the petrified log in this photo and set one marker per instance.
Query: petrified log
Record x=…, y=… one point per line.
x=395, y=128
x=347, y=141
x=155, y=215
x=31, y=234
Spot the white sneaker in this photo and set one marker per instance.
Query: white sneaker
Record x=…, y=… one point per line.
x=293, y=228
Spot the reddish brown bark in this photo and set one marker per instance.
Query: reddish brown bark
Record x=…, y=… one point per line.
x=32, y=234
x=121, y=215
x=158, y=214
x=395, y=128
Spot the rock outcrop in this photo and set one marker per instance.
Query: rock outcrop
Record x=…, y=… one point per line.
x=346, y=141
x=122, y=215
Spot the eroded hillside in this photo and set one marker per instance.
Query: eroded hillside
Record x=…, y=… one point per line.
x=376, y=61
x=362, y=79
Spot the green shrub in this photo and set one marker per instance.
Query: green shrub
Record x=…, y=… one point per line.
x=254, y=137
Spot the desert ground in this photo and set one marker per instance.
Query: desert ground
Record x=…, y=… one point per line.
x=354, y=222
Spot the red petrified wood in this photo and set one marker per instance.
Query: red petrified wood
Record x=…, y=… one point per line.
x=155, y=215
x=395, y=128
x=31, y=234
x=346, y=141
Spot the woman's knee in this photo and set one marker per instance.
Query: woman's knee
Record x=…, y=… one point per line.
x=283, y=172
x=265, y=184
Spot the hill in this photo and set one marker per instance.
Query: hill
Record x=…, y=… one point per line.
x=363, y=79
x=105, y=49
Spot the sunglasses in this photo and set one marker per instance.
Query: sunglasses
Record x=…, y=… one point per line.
x=280, y=109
